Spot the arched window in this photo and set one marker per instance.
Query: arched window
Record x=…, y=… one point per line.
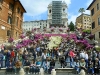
x=63, y=9
x=50, y=11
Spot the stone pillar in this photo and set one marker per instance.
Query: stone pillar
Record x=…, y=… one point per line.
x=41, y=71
x=53, y=72
x=21, y=72
x=82, y=72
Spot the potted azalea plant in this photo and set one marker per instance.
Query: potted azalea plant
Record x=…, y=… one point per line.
x=52, y=29
x=60, y=29
x=22, y=36
x=10, y=40
x=91, y=36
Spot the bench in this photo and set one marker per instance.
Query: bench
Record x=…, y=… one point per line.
x=67, y=70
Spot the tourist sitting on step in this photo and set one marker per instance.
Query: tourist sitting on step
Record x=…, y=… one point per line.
x=10, y=66
x=52, y=66
x=33, y=67
x=18, y=65
x=38, y=65
x=27, y=66
x=76, y=65
x=90, y=66
x=46, y=65
x=62, y=62
x=82, y=65
x=96, y=66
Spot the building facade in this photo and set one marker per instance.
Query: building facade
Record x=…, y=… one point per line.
x=83, y=21
x=94, y=7
x=11, y=18
x=29, y=25
x=57, y=13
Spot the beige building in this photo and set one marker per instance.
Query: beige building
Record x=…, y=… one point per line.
x=94, y=7
x=83, y=21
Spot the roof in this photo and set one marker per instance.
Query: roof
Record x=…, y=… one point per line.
x=21, y=5
x=91, y=4
x=35, y=21
x=83, y=15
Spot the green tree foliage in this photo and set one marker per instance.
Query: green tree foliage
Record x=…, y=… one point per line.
x=71, y=26
x=81, y=10
x=87, y=31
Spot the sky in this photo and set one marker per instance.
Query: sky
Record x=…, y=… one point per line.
x=37, y=9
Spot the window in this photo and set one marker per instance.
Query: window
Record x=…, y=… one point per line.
x=18, y=10
x=16, y=34
x=20, y=24
x=93, y=25
x=1, y=1
x=99, y=21
x=94, y=36
x=40, y=23
x=17, y=21
x=92, y=12
x=98, y=6
x=50, y=11
x=21, y=13
x=9, y=20
x=8, y=32
x=11, y=6
x=99, y=34
x=63, y=10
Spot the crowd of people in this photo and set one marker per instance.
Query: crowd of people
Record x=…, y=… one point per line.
x=36, y=56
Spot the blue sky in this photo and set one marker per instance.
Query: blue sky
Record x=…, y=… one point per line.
x=37, y=9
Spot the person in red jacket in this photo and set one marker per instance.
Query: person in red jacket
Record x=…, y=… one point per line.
x=72, y=55
x=12, y=55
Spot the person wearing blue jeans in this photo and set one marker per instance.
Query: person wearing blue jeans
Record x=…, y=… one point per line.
x=76, y=66
x=71, y=61
x=46, y=65
x=90, y=66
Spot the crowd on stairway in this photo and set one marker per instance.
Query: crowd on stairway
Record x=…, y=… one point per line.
x=36, y=56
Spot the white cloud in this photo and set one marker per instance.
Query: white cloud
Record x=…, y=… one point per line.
x=72, y=18
x=37, y=7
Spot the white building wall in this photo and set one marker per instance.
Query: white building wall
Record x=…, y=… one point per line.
x=29, y=25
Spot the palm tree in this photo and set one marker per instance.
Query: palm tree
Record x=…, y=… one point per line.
x=81, y=10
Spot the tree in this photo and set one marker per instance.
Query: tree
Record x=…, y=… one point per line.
x=71, y=26
x=81, y=10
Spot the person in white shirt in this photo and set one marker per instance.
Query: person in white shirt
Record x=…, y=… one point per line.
x=82, y=55
x=86, y=59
